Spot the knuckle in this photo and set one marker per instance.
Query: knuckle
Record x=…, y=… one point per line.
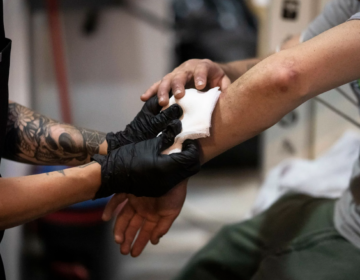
x=186, y=64
x=206, y=62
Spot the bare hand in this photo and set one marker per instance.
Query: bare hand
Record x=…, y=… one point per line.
x=198, y=72
x=153, y=217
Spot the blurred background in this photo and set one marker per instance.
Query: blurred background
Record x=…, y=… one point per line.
x=88, y=61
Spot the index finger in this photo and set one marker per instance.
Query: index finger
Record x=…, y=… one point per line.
x=150, y=92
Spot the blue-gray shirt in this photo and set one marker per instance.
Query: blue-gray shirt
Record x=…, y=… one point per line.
x=347, y=209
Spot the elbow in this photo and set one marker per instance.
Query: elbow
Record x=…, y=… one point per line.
x=288, y=81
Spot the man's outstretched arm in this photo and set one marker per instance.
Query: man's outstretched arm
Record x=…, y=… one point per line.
x=280, y=83
x=255, y=102
x=34, y=138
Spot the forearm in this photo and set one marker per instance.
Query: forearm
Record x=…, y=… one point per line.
x=26, y=198
x=34, y=138
x=236, y=69
x=280, y=83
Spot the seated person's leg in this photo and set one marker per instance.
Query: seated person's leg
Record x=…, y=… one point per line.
x=277, y=244
x=234, y=253
x=311, y=248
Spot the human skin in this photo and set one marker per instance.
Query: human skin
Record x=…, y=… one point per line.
x=26, y=198
x=259, y=98
x=36, y=139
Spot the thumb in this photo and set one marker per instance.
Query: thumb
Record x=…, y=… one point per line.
x=168, y=135
x=225, y=83
x=189, y=158
x=112, y=205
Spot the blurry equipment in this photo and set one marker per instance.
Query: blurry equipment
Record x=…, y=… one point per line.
x=218, y=30
x=317, y=178
x=221, y=31
x=312, y=128
x=55, y=32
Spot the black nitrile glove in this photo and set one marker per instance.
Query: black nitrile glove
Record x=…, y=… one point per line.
x=146, y=125
x=140, y=168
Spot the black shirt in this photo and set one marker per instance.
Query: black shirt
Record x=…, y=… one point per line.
x=5, y=48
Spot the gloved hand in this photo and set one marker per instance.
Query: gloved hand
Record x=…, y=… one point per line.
x=140, y=168
x=148, y=123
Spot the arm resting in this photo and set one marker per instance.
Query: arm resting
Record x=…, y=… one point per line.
x=23, y=199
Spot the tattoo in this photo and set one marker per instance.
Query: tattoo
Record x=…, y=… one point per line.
x=47, y=173
x=85, y=165
x=34, y=138
x=92, y=140
x=61, y=172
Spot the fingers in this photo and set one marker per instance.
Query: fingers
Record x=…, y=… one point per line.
x=151, y=91
x=225, y=83
x=189, y=158
x=164, y=89
x=118, y=200
x=143, y=238
x=122, y=222
x=162, y=120
x=201, y=74
x=152, y=106
x=134, y=225
x=161, y=229
x=178, y=84
x=190, y=151
x=168, y=135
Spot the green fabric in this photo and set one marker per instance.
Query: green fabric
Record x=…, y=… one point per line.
x=294, y=240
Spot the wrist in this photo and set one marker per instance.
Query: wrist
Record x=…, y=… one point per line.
x=223, y=66
x=103, y=148
x=91, y=175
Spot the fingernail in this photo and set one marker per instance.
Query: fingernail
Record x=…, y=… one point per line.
x=161, y=99
x=118, y=239
x=177, y=92
x=200, y=83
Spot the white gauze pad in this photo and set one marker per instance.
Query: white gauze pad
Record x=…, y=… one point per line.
x=198, y=107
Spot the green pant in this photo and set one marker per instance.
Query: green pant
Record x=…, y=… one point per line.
x=294, y=240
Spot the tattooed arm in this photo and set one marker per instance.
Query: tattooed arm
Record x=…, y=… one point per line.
x=34, y=138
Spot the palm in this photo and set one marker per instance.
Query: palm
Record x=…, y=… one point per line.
x=152, y=217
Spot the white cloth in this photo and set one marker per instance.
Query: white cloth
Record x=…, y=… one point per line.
x=328, y=176
x=198, y=107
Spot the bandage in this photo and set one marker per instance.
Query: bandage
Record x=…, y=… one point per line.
x=198, y=107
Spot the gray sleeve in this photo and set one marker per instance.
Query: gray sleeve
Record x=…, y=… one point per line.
x=335, y=12
x=355, y=17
